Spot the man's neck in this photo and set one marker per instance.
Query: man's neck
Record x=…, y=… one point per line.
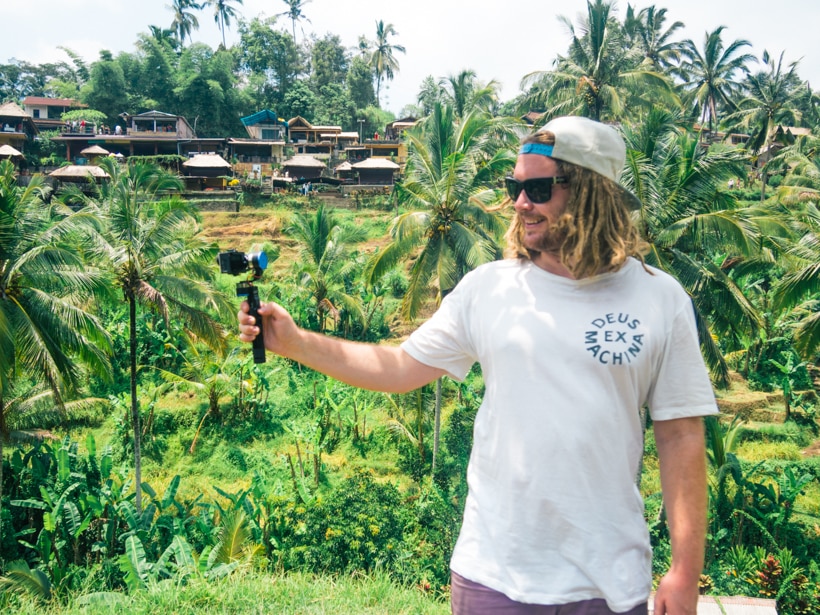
x=551, y=262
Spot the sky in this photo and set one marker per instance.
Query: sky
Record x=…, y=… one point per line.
x=501, y=40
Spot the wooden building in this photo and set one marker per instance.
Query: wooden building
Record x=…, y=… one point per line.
x=206, y=171
x=152, y=133
x=316, y=141
x=46, y=112
x=264, y=149
x=376, y=172
x=16, y=126
x=303, y=167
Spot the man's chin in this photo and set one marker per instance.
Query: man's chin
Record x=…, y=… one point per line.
x=544, y=243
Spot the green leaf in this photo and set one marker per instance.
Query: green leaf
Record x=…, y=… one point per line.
x=20, y=577
x=38, y=504
x=63, y=465
x=133, y=564
x=170, y=493
x=106, y=465
x=49, y=522
x=91, y=445
x=183, y=553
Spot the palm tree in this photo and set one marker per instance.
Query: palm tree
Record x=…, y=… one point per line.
x=326, y=265
x=165, y=37
x=768, y=103
x=158, y=263
x=695, y=229
x=184, y=19
x=382, y=60
x=798, y=289
x=451, y=170
x=709, y=76
x=429, y=94
x=45, y=332
x=646, y=31
x=294, y=13
x=597, y=76
x=223, y=12
x=462, y=92
x=363, y=46
x=802, y=163
x=206, y=372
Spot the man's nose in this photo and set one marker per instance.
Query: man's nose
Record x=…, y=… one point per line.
x=523, y=202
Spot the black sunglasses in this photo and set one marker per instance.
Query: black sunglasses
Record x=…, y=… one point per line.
x=539, y=190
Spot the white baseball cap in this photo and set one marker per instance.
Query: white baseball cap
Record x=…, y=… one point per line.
x=589, y=144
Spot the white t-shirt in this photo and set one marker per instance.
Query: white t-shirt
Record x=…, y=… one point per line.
x=553, y=514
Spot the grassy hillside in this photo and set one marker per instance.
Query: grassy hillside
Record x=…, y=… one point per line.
x=295, y=443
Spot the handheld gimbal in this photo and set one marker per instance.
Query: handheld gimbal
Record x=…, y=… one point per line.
x=236, y=263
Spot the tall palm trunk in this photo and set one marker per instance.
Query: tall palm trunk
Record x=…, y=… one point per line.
x=436, y=426
x=135, y=412
x=768, y=148
x=2, y=438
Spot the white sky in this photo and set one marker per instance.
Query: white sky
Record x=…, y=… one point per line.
x=498, y=39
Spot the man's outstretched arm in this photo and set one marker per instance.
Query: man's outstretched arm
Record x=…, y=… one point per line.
x=368, y=366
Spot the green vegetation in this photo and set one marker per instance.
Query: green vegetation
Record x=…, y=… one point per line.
x=147, y=463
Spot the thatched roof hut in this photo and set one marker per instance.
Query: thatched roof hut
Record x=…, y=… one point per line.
x=76, y=172
x=7, y=151
x=206, y=172
x=376, y=171
x=95, y=150
x=12, y=109
x=206, y=161
x=303, y=166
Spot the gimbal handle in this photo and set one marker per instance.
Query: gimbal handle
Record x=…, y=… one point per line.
x=251, y=293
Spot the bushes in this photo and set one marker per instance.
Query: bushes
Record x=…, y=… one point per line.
x=355, y=527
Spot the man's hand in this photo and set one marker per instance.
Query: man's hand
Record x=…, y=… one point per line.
x=280, y=332
x=676, y=595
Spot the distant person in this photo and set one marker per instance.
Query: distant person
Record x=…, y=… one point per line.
x=574, y=334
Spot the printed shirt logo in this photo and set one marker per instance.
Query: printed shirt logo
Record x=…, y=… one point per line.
x=614, y=339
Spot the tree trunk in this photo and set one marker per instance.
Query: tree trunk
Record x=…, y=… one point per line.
x=192, y=448
x=437, y=425
x=135, y=411
x=2, y=438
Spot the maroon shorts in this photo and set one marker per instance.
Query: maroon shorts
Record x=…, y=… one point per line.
x=469, y=598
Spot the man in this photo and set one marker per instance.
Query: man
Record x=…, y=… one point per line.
x=574, y=335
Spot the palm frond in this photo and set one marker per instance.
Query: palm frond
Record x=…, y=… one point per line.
x=20, y=577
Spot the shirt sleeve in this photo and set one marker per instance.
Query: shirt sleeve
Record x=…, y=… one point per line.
x=682, y=387
x=444, y=341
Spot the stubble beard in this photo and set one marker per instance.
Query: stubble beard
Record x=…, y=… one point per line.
x=548, y=242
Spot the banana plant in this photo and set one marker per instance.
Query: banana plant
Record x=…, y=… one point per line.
x=66, y=515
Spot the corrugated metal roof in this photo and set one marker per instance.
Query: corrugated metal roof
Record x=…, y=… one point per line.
x=53, y=102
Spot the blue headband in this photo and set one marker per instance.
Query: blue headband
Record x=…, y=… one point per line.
x=536, y=148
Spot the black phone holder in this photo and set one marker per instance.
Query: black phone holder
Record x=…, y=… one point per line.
x=234, y=262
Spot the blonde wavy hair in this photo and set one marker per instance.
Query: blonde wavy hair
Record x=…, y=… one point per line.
x=599, y=232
